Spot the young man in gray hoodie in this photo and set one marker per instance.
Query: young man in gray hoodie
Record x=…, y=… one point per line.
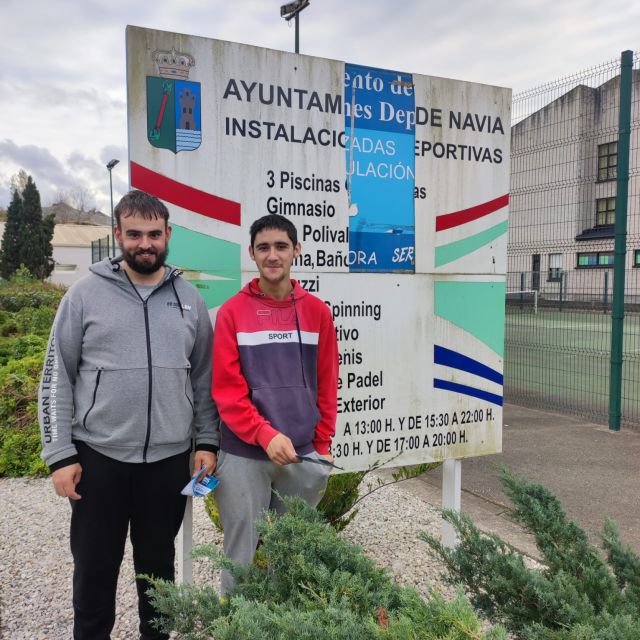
x=126, y=375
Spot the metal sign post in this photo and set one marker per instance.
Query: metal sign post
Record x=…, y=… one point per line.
x=451, y=497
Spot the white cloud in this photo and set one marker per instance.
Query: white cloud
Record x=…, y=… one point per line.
x=63, y=71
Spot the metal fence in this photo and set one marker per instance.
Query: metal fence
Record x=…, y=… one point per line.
x=563, y=211
x=558, y=343
x=100, y=249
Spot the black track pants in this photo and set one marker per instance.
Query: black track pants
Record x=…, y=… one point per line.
x=116, y=495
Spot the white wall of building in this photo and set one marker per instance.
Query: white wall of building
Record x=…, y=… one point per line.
x=554, y=188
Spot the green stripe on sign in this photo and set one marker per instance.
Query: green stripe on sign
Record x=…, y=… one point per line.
x=216, y=261
x=475, y=307
x=454, y=250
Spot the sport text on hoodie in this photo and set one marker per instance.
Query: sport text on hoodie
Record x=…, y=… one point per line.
x=275, y=370
x=127, y=376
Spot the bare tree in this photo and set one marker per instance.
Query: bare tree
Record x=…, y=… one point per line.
x=81, y=198
x=18, y=181
x=61, y=196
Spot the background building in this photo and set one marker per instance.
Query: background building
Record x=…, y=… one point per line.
x=72, y=250
x=563, y=195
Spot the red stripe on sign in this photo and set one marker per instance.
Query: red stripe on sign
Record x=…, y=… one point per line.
x=182, y=195
x=455, y=219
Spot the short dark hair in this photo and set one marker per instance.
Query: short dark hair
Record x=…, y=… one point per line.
x=140, y=203
x=274, y=221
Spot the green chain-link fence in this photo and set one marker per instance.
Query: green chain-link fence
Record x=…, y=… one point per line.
x=558, y=342
x=561, y=246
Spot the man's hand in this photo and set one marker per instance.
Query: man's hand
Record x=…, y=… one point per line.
x=206, y=458
x=281, y=451
x=65, y=480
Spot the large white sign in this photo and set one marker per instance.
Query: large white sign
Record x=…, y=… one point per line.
x=398, y=185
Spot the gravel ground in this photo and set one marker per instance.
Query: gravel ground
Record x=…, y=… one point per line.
x=36, y=566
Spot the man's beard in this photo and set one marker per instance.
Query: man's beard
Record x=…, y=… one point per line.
x=146, y=268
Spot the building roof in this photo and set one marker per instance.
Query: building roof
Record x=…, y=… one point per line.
x=74, y=235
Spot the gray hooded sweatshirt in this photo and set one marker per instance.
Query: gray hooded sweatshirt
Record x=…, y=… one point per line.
x=127, y=376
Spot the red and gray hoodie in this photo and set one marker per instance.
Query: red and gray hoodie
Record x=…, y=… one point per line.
x=275, y=370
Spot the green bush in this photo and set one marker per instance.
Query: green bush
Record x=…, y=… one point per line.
x=577, y=596
x=313, y=585
x=8, y=324
x=12, y=299
x=19, y=432
x=25, y=292
x=19, y=391
x=343, y=493
x=340, y=496
x=27, y=310
x=22, y=347
x=20, y=453
x=38, y=320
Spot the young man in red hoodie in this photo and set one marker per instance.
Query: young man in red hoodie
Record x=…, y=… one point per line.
x=275, y=382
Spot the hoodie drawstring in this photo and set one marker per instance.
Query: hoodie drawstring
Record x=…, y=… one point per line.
x=295, y=311
x=175, y=293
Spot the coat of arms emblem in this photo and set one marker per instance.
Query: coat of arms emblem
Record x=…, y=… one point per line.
x=173, y=103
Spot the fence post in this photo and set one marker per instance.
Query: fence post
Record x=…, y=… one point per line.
x=561, y=299
x=620, y=250
x=605, y=296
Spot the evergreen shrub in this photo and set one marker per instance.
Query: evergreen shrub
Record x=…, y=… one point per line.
x=578, y=595
x=19, y=431
x=31, y=297
x=313, y=584
x=27, y=310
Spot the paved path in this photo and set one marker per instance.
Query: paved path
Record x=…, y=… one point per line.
x=594, y=472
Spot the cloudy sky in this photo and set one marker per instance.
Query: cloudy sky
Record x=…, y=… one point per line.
x=63, y=110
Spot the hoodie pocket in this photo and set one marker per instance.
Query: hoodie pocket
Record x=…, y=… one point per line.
x=112, y=406
x=188, y=390
x=290, y=410
x=173, y=406
x=93, y=400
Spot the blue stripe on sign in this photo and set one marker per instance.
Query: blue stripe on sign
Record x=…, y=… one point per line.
x=467, y=391
x=449, y=358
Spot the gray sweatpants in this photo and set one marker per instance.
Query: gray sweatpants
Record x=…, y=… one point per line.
x=246, y=489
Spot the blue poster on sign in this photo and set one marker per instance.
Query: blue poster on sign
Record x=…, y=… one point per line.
x=380, y=130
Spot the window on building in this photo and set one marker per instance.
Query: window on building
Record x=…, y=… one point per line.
x=607, y=161
x=555, y=267
x=605, y=211
x=595, y=259
x=636, y=258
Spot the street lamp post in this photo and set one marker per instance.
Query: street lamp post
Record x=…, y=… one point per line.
x=110, y=165
x=292, y=10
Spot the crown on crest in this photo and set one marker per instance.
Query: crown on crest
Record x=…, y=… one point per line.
x=173, y=64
